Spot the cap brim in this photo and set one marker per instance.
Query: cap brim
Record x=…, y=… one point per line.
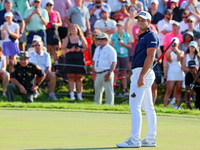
x=192, y=66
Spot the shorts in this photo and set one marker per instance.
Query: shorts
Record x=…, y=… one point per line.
x=22, y=39
x=122, y=63
x=52, y=37
x=62, y=32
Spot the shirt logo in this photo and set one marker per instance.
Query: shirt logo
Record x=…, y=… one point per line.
x=154, y=42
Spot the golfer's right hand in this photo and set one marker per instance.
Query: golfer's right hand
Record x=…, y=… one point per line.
x=22, y=90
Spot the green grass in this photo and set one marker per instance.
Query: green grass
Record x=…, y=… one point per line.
x=61, y=130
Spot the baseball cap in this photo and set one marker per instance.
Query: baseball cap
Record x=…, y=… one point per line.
x=192, y=63
x=8, y=14
x=190, y=33
x=11, y=1
x=193, y=43
x=102, y=36
x=49, y=1
x=104, y=9
x=144, y=15
x=23, y=55
x=155, y=1
x=175, y=1
x=176, y=40
x=176, y=23
x=191, y=18
x=167, y=11
x=37, y=38
x=120, y=23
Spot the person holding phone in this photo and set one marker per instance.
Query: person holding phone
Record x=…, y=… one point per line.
x=36, y=20
x=175, y=74
x=10, y=36
x=121, y=42
x=74, y=45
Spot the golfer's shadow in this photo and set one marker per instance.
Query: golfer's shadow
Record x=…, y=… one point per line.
x=100, y=148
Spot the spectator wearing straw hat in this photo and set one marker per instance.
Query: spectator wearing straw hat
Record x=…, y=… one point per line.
x=104, y=63
x=22, y=79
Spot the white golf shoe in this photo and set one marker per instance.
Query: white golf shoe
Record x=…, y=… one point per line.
x=148, y=143
x=129, y=142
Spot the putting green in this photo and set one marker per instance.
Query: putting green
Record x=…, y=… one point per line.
x=57, y=130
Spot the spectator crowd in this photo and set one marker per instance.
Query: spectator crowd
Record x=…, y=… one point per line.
x=101, y=33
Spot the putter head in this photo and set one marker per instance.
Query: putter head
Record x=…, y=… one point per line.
x=133, y=95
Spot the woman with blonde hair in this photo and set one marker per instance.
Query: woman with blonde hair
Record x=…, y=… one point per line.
x=192, y=53
x=73, y=46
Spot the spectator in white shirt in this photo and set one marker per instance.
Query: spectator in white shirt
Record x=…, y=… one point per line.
x=42, y=59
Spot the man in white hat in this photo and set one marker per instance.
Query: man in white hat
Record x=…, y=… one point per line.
x=104, y=63
x=141, y=81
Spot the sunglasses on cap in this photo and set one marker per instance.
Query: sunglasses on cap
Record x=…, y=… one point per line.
x=49, y=5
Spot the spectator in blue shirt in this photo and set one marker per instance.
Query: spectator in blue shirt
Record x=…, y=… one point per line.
x=95, y=9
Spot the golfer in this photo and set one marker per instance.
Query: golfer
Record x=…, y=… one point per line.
x=141, y=81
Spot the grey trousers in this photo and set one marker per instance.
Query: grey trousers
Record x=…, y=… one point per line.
x=100, y=85
x=12, y=89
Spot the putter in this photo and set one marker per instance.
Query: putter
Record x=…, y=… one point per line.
x=190, y=88
x=134, y=95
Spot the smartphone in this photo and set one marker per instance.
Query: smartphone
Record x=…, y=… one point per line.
x=119, y=38
x=174, y=45
x=6, y=24
x=98, y=6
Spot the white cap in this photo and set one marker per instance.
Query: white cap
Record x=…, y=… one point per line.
x=120, y=23
x=176, y=23
x=175, y=1
x=193, y=43
x=50, y=1
x=144, y=15
x=8, y=14
x=191, y=18
x=37, y=38
x=176, y=40
x=155, y=1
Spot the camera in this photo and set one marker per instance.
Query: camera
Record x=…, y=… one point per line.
x=76, y=47
x=119, y=38
x=174, y=45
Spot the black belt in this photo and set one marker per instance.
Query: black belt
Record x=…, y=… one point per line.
x=102, y=71
x=36, y=31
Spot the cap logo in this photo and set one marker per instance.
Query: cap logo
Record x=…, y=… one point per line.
x=142, y=13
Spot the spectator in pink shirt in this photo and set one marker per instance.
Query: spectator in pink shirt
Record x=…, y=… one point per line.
x=62, y=7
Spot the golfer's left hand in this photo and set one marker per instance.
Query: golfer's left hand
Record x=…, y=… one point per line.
x=140, y=81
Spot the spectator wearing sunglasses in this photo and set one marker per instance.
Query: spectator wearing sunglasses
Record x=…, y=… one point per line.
x=183, y=23
x=36, y=20
x=53, y=40
x=42, y=59
x=106, y=24
x=191, y=23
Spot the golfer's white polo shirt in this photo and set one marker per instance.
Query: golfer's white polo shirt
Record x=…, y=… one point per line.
x=43, y=60
x=104, y=57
